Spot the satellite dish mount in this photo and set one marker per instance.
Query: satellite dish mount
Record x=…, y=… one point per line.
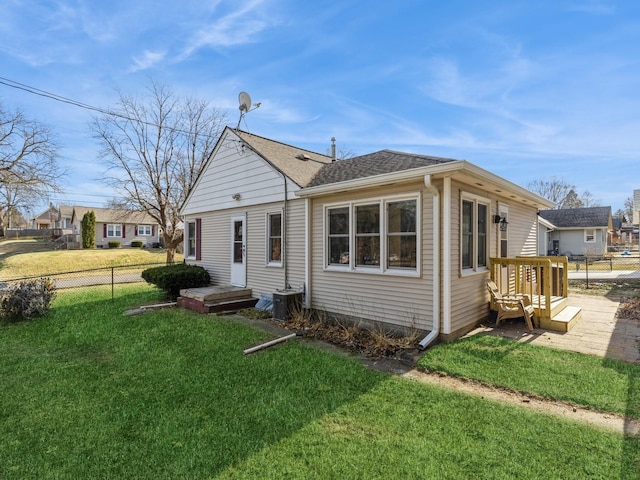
x=245, y=106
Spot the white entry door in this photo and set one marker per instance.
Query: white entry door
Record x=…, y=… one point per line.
x=238, y=251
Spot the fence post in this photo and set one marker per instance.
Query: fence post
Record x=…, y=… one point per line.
x=112, y=281
x=586, y=269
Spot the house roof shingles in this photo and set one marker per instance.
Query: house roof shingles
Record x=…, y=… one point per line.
x=377, y=163
x=108, y=215
x=298, y=164
x=588, y=217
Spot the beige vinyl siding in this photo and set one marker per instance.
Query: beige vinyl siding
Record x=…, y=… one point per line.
x=469, y=300
x=522, y=229
x=401, y=300
x=296, y=232
x=262, y=279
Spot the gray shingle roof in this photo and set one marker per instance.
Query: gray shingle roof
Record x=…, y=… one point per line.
x=578, y=217
x=377, y=163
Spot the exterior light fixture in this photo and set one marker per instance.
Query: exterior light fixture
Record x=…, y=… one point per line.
x=236, y=196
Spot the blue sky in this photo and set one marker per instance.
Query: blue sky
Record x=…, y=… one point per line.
x=524, y=89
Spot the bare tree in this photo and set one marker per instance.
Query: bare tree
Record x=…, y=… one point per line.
x=28, y=161
x=628, y=209
x=342, y=153
x=562, y=194
x=155, y=148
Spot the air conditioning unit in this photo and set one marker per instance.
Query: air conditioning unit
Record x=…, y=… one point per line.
x=286, y=303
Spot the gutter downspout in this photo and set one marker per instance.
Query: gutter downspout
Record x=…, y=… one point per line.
x=284, y=234
x=433, y=334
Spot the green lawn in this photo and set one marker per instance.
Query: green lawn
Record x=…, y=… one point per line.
x=601, y=384
x=21, y=259
x=90, y=393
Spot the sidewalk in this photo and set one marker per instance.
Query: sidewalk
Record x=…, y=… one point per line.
x=605, y=275
x=598, y=332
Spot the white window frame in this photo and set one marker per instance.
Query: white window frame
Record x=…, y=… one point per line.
x=189, y=251
x=587, y=235
x=383, y=268
x=114, y=230
x=475, y=200
x=269, y=262
x=145, y=230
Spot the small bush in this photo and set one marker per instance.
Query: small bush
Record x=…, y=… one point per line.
x=136, y=243
x=27, y=299
x=174, y=278
x=114, y=244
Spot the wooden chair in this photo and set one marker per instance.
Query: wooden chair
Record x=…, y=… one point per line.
x=511, y=306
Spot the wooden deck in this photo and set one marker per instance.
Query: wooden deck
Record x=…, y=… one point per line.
x=544, y=280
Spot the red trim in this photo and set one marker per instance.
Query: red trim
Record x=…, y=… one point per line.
x=104, y=230
x=135, y=231
x=198, y=238
x=124, y=230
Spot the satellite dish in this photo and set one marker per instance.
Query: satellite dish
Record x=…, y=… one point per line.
x=245, y=102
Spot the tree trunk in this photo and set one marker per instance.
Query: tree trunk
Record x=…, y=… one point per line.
x=171, y=254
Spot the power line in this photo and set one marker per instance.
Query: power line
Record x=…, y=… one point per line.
x=59, y=98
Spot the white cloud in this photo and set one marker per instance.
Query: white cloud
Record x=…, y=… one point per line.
x=239, y=27
x=148, y=60
x=593, y=7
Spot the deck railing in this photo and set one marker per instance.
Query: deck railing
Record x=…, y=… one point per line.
x=542, y=279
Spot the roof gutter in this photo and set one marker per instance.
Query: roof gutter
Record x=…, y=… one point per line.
x=448, y=168
x=435, y=331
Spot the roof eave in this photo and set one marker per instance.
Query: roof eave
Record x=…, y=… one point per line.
x=440, y=170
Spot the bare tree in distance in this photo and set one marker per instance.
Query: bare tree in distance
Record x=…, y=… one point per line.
x=154, y=150
x=628, y=209
x=561, y=193
x=342, y=153
x=29, y=168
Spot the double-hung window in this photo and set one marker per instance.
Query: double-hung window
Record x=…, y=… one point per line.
x=474, y=241
x=402, y=234
x=338, y=236
x=589, y=235
x=191, y=239
x=375, y=236
x=144, y=230
x=367, y=235
x=114, y=230
x=274, y=239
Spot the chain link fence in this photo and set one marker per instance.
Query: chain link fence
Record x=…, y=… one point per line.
x=91, y=277
x=614, y=268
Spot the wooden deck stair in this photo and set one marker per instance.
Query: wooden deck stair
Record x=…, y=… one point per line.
x=562, y=321
x=222, y=299
x=563, y=316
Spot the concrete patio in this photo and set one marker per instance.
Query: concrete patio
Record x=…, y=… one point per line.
x=599, y=332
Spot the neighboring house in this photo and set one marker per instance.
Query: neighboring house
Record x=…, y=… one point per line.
x=579, y=231
x=47, y=219
x=544, y=243
x=390, y=237
x=123, y=226
x=65, y=213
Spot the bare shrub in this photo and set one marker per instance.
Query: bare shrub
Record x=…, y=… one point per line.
x=27, y=299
